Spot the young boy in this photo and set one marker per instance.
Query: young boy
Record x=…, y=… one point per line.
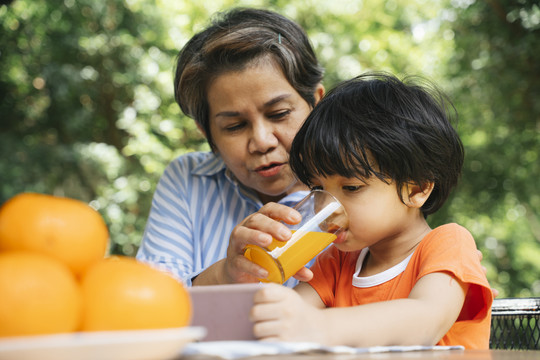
x=387, y=150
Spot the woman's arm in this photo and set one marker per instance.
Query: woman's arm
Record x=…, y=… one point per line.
x=168, y=241
x=423, y=318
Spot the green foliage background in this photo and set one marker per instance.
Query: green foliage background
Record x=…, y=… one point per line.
x=87, y=109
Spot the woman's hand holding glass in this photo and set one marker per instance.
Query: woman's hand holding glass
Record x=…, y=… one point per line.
x=258, y=229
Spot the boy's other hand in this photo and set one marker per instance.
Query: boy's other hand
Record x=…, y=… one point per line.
x=280, y=314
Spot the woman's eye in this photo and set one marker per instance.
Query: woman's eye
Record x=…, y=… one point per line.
x=234, y=127
x=279, y=115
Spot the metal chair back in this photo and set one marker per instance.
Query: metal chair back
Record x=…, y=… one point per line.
x=515, y=324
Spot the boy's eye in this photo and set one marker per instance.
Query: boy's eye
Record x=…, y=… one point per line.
x=316, y=187
x=352, y=188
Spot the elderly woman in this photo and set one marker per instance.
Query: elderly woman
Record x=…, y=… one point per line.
x=249, y=81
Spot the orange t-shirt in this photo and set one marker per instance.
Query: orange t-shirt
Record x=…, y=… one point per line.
x=449, y=248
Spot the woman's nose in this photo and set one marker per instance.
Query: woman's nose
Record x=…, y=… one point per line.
x=263, y=138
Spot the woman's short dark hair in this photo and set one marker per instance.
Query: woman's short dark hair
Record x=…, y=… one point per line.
x=235, y=39
x=375, y=124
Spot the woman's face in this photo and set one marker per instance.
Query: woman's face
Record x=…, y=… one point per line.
x=254, y=116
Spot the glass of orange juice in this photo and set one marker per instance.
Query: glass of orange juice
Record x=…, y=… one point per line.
x=323, y=220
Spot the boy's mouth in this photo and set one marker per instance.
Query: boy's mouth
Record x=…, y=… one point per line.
x=341, y=237
x=339, y=230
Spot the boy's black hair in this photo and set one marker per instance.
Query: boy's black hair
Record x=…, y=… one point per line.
x=375, y=124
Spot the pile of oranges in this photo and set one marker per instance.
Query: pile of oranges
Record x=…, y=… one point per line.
x=55, y=276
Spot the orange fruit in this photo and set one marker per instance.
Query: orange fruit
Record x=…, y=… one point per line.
x=67, y=229
x=121, y=293
x=39, y=295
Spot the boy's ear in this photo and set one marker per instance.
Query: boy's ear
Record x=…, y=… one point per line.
x=416, y=195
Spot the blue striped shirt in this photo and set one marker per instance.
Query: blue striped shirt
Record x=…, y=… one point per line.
x=195, y=207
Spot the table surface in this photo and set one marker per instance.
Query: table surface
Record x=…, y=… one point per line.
x=411, y=355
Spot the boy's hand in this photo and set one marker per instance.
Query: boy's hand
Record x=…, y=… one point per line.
x=280, y=314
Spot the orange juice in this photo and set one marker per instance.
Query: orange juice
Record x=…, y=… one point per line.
x=283, y=259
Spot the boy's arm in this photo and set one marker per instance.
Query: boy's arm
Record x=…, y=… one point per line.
x=423, y=318
x=309, y=295
x=432, y=307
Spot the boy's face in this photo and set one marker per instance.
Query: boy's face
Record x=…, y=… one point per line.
x=377, y=216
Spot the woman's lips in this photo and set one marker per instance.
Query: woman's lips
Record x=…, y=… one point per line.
x=269, y=170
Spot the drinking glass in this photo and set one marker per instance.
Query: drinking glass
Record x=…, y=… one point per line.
x=323, y=221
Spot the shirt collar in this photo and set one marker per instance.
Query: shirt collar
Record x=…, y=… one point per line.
x=294, y=198
x=209, y=166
